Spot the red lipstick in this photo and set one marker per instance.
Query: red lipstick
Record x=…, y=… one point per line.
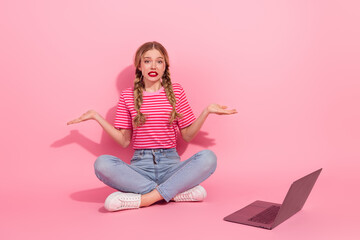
x=152, y=74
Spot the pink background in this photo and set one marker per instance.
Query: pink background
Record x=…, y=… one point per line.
x=290, y=68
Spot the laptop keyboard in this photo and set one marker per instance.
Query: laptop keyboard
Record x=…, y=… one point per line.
x=267, y=216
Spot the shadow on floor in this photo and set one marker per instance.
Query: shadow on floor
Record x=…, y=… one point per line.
x=97, y=195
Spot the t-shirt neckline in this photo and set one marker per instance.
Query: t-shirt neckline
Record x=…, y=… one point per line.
x=145, y=93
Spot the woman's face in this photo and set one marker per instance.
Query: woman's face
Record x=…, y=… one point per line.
x=152, y=65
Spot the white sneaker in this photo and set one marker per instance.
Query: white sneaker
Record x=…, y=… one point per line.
x=197, y=193
x=120, y=201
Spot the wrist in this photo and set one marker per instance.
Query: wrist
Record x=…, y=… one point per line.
x=96, y=116
x=206, y=111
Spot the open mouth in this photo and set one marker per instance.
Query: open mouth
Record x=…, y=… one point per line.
x=152, y=74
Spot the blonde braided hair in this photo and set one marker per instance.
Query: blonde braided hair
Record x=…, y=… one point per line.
x=166, y=82
x=138, y=98
x=139, y=84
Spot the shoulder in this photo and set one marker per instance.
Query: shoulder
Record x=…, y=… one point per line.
x=128, y=92
x=127, y=96
x=177, y=88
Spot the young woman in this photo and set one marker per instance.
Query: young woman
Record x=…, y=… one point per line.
x=150, y=115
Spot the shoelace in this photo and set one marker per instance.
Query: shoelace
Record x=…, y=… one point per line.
x=185, y=196
x=129, y=201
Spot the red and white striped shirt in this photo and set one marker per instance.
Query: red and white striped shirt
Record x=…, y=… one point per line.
x=157, y=131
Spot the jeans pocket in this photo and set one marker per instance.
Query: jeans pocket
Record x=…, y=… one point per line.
x=136, y=157
x=172, y=156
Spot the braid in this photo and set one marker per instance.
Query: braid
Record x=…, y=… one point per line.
x=166, y=82
x=138, y=99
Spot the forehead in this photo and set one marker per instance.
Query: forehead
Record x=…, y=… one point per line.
x=153, y=53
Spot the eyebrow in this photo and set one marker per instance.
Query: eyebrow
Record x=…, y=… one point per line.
x=156, y=58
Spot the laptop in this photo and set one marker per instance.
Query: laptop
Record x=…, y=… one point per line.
x=269, y=215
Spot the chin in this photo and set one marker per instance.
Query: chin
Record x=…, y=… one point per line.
x=153, y=80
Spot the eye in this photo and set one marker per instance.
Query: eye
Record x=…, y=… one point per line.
x=146, y=61
x=160, y=61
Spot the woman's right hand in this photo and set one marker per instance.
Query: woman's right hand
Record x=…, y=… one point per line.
x=91, y=114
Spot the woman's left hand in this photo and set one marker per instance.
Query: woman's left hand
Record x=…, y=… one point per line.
x=220, y=110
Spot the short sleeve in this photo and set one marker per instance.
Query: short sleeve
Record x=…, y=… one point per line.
x=184, y=109
x=122, y=117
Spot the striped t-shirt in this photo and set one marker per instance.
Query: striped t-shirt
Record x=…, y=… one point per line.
x=157, y=131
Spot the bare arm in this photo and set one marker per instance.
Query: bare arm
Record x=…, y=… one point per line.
x=190, y=132
x=121, y=136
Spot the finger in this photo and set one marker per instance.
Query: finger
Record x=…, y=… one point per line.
x=227, y=112
x=71, y=122
x=230, y=110
x=233, y=111
x=74, y=121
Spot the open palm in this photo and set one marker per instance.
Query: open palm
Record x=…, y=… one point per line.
x=221, y=110
x=86, y=116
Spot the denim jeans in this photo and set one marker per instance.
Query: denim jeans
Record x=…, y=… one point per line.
x=156, y=168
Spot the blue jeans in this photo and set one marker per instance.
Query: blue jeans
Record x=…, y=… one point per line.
x=156, y=168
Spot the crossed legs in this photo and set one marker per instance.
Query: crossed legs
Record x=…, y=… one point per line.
x=130, y=179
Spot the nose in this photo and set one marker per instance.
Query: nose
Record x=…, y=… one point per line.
x=153, y=65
